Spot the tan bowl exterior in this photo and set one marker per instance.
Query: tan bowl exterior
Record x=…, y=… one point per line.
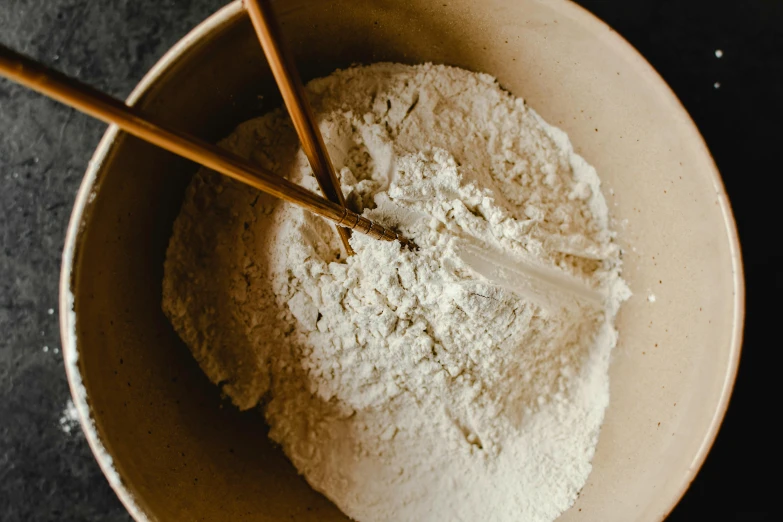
x=174, y=451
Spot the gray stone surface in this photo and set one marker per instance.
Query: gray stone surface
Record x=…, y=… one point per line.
x=49, y=475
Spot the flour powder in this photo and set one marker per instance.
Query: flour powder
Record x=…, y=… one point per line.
x=401, y=384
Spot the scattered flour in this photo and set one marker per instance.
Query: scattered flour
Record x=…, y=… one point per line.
x=69, y=420
x=401, y=384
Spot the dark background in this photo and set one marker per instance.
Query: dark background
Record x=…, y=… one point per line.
x=47, y=474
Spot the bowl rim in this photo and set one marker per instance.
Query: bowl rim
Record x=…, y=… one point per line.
x=229, y=14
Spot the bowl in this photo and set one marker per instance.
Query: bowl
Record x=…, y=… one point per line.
x=172, y=449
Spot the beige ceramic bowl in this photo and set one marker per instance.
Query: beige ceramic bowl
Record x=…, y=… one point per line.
x=174, y=451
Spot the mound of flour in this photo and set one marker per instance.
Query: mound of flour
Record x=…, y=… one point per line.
x=401, y=384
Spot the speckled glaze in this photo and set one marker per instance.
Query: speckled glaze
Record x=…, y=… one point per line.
x=174, y=451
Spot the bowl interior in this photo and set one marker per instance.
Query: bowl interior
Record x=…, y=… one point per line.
x=184, y=454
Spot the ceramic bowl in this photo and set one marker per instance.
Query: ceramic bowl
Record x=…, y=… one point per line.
x=174, y=450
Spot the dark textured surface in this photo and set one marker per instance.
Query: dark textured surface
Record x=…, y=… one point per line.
x=46, y=474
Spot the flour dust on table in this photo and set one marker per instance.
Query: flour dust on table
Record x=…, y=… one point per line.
x=402, y=384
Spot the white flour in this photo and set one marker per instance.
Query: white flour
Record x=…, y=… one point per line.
x=69, y=420
x=400, y=384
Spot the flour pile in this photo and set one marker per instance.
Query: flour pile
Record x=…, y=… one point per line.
x=401, y=384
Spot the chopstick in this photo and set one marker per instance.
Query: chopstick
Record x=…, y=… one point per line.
x=284, y=70
x=36, y=76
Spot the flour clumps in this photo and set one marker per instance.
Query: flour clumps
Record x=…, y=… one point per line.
x=403, y=385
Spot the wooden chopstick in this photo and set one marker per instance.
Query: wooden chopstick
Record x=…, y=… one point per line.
x=284, y=70
x=32, y=74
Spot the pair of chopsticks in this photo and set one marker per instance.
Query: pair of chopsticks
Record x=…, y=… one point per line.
x=97, y=104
